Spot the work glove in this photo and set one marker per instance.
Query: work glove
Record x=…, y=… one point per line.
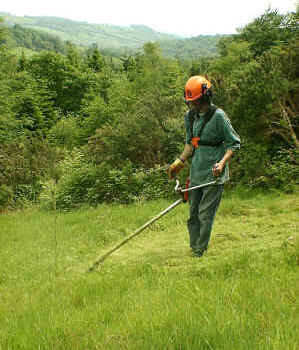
x=175, y=168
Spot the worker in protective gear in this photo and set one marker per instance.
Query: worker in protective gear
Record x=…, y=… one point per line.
x=211, y=142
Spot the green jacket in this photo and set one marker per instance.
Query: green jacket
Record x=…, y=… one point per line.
x=204, y=157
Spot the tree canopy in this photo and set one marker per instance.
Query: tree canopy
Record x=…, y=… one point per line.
x=92, y=126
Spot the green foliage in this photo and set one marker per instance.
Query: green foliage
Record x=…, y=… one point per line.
x=147, y=112
x=18, y=36
x=87, y=183
x=191, y=48
x=255, y=166
x=95, y=60
x=3, y=31
x=268, y=30
x=8, y=62
x=67, y=83
x=6, y=195
x=74, y=55
x=250, y=162
x=237, y=56
x=49, y=33
x=115, y=117
x=82, y=33
x=256, y=79
x=282, y=172
x=24, y=163
x=94, y=114
x=25, y=106
x=65, y=133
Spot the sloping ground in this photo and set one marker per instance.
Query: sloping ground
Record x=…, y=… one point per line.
x=151, y=294
x=83, y=33
x=254, y=224
x=124, y=40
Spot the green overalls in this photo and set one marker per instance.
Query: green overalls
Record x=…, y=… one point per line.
x=204, y=202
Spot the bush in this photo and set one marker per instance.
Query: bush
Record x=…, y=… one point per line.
x=254, y=165
x=24, y=164
x=65, y=133
x=249, y=162
x=282, y=172
x=6, y=194
x=83, y=183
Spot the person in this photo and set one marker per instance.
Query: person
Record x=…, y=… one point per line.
x=211, y=141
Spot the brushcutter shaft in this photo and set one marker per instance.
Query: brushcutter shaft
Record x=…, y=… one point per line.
x=196, y=187
x=136, y=233
x=157, y=217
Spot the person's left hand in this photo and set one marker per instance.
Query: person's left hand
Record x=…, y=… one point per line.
x=218, y=168
x=175, y=168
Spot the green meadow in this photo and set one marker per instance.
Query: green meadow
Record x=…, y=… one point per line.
x=151, y=293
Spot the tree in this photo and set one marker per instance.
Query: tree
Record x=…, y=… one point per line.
x=3, y=30
x=283, y=81
x=95, y=60
x=73, y=55
x=66, y=83
x=256, y=78
x=25, y=106
x=270, y=29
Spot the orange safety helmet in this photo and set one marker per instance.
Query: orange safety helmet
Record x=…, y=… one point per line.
x=196, y=87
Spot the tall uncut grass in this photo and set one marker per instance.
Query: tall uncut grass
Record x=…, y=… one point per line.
x=151, y=294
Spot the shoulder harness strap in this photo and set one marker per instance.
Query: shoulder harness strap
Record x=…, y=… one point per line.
x=208, y=116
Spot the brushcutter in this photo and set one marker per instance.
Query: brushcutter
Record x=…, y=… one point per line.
x=184, y=198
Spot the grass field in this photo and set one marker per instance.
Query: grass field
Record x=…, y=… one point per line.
x=151, y=294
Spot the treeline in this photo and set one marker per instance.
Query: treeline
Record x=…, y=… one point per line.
x=20, y=37
x=191, y=48
x=52, y=33
x=82, y=33
x=75, y=128
x=29, y=40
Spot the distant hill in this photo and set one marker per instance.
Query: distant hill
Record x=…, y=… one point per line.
x=82, y=33
x=34, y=40
x=52, y=32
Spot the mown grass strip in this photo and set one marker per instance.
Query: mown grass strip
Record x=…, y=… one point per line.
x=151, y=294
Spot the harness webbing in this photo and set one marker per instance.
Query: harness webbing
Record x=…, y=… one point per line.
x=207, y=117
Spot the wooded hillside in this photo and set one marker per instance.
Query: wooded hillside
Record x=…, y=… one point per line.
x=112, y=39
x=76, y=128
x=83, y=33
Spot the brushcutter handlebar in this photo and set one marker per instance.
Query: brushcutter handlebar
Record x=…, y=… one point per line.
x=179, y=189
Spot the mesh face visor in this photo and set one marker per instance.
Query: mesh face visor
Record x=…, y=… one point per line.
x=197, y=102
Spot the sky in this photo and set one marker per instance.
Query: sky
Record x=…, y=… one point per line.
x=183, y=17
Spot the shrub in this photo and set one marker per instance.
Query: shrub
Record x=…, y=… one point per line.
x=6, y=194
x=83, y=183
x=65, y=133
x=249, y=163
x=282, y=171
x=24, y=164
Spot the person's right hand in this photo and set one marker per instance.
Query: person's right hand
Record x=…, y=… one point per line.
x=175, y=168
x=217, y=169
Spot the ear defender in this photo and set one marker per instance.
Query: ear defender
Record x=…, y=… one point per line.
x=206, y=91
